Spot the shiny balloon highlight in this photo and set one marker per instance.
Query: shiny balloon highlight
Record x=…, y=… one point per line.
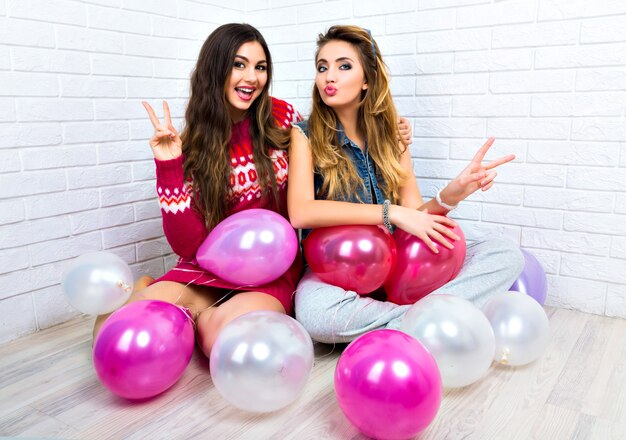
x=97, y=283
x=354, y=257
x=456, y=333
x=388, y=385
x=249, y=248
x=418, y=270
x=520, y=326
x=261, y=361
x=143, y=348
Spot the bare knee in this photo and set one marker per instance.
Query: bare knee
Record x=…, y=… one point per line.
x=143, y=282
x=210, y=322
x=143, y=289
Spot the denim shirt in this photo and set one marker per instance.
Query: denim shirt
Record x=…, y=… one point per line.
x=364, y=166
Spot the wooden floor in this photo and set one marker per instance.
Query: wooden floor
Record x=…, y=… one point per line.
x=48, y=389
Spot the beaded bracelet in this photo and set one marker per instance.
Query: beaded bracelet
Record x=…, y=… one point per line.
x=386, y=221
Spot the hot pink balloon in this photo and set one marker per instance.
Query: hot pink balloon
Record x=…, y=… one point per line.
x=388, y=385
x=355, y=257
x=249, y=248
x=418, y=270
x=143, y=348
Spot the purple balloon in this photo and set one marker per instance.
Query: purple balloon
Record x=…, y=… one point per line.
x=532, y=280
x=249, y=248
x=143, y=348
x=388, y=385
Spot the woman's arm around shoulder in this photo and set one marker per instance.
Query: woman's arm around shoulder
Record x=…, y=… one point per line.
x=284, y=113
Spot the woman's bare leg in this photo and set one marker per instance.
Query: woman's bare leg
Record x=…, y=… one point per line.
x=210, y=322
x=195, y=298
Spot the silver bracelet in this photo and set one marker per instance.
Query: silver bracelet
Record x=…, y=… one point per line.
x=442, y=204
x=386, y=221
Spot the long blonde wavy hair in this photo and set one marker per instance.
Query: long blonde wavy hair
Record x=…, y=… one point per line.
x=377, y=117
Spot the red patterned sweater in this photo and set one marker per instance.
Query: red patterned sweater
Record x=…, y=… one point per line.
x=185, y=229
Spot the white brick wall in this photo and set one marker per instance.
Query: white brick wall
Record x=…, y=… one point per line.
x=76, y=173
x=546, y=77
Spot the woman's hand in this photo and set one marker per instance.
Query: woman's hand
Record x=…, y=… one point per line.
x=424, y=225
x=475, y=176
x=165, y=141
x=406, y=134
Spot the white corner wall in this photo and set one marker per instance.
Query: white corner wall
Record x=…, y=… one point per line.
x=546, y=77
x=76, y=172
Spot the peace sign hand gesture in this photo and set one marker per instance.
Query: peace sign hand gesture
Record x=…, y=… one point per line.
x=475, y=176
x=165, y=141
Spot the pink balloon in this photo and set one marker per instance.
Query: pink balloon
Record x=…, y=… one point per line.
x=249, y=248
x=355, y=257
x=143, y=348
x=388, y=385
x=419, y=271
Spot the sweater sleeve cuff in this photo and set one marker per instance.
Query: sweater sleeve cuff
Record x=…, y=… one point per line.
x=170, y=172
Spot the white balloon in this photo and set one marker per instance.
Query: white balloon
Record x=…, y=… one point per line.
x=261, y=361
x=521, y=328
x=97, y=283
x=456, y=333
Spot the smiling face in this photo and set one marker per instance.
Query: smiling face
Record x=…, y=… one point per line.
x=247, y=79
x=340, y=78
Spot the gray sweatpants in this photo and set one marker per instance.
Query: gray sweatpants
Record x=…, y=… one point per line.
x=333, y=315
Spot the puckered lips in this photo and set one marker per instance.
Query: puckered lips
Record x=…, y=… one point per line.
x=330, y=90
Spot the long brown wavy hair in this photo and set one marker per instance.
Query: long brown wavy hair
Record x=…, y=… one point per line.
x=377, y=116
x=208, y=126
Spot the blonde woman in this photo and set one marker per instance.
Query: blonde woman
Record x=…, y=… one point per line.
x=347, y=167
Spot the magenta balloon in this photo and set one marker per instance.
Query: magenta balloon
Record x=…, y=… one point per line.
x=354, y=257
x=249, y=248
x=388, y=385
x=532, y=281
x=419, y=271
x=143, y=348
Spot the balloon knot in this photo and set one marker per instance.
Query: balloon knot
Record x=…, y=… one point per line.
x=188, y=314
x=122, y=285
x=505, y=357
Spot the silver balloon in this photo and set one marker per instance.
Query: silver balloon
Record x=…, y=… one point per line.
x=521, y=328
x=97, y=283
x=456, y=333
x=261, y=361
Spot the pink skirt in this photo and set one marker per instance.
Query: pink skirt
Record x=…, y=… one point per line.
x=283, y=288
